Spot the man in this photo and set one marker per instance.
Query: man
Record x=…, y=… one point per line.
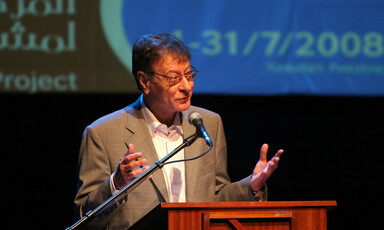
x=150, y=128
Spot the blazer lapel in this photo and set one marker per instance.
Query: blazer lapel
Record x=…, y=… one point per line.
x=138, y=134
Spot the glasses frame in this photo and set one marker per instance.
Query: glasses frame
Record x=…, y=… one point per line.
x=193, y=73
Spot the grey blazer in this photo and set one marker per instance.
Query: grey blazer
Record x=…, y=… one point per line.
x=105, y=142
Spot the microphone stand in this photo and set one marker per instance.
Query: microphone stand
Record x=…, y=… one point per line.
x=132, y=185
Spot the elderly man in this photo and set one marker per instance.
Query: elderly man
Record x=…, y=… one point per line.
x=118, y=147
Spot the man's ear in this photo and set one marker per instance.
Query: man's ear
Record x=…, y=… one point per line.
x=143, y=81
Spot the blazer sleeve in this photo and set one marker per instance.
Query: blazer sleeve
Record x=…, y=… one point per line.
x=94, y=178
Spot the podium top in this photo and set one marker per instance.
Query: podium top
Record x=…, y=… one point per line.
x=241, y=205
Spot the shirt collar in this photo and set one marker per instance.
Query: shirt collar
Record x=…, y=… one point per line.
x=154, y=124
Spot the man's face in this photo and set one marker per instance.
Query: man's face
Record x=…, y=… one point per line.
x=162, y=98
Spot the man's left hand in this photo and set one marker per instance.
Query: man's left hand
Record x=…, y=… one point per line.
x=264, y=169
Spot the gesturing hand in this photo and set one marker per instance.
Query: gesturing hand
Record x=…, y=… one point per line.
x=129, y=168
x=263, y=169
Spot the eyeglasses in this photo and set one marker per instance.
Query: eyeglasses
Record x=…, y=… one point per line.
x=175, y=78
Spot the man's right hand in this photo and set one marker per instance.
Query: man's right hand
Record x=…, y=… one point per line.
x=129, y=168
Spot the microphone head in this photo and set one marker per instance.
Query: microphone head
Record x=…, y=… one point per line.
x=194, y=118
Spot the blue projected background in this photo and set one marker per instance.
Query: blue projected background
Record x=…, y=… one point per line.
x=322, y=47
x=258, y=47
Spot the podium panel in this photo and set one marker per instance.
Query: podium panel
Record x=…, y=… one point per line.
x=292, y=215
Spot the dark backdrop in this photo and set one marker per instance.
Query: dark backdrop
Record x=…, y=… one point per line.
x=332, y=151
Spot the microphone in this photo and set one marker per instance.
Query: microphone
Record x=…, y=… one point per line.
x=196, y=120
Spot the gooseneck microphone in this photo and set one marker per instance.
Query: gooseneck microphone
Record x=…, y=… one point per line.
x=196, y=120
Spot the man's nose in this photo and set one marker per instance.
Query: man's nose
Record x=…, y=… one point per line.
x=185, y=85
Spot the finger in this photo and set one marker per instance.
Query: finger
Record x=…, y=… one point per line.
x=130, y=150
x=275, y=160
x=134, y=165
x=279, y=153
x=129, y=158
x=263, y=152
x=272, y=164
x=277, y=156
x=135, y=173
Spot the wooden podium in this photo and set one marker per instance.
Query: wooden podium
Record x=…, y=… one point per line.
x=293, y=215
